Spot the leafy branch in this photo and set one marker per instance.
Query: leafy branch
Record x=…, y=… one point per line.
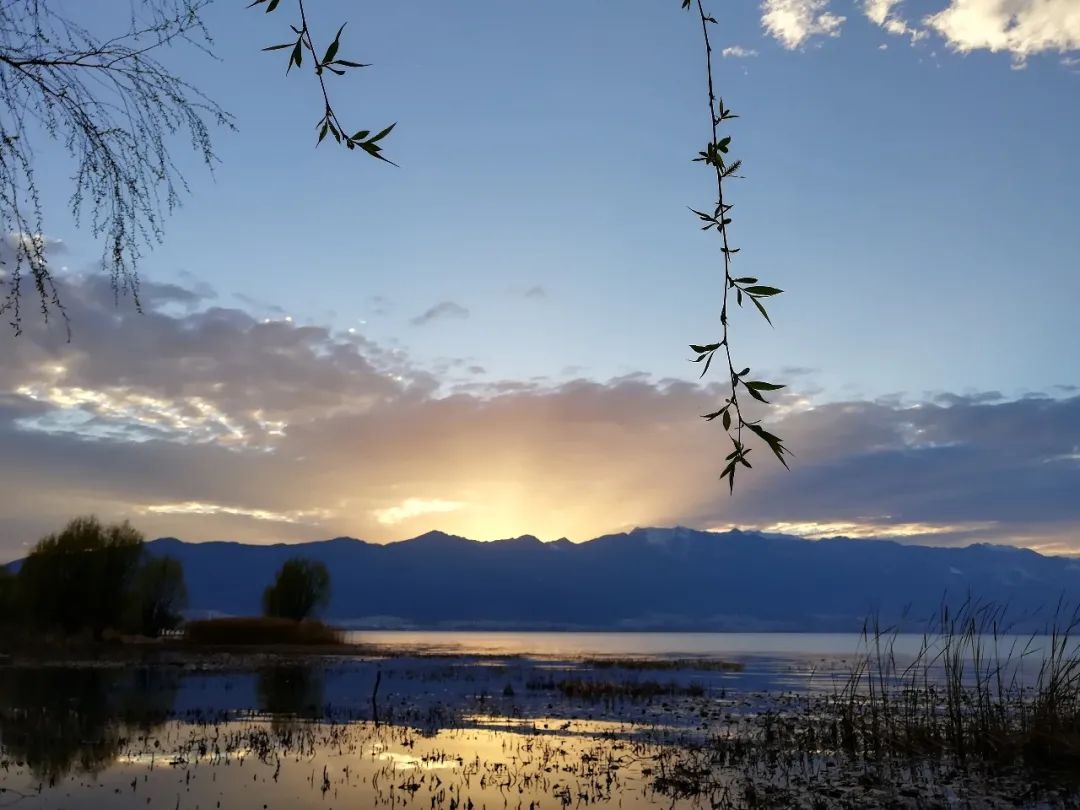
x=716, y=156
x=329, y=123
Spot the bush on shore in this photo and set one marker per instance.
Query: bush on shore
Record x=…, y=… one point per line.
x=246, y=631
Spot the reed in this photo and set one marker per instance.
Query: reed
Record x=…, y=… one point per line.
x=666, y=664
x=973, y=710
x=972, y=693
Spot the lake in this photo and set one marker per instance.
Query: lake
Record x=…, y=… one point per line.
x=476, y=721
x=573, y=644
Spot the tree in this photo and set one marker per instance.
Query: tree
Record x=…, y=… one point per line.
x=158, y=596
x=81, y=578
x=300, y=590
x=116, y=109
x=8, y=604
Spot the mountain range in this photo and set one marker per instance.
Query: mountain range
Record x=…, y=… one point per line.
x=675, y=579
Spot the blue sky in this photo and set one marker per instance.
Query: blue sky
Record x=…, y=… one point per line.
x=916, y=202
x=910, y=182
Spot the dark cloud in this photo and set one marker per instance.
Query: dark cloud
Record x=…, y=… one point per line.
x=536, y=292
x=206, y=422
x=444, y=309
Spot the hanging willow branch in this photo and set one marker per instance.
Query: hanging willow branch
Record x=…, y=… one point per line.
x=329, y=62
x=716, y=156
x=117, y=110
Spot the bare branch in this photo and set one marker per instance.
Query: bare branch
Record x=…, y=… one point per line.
x=116, y=110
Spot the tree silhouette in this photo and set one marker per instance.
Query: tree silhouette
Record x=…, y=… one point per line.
x=301, y=589
x=158, y=596
x=81, y=577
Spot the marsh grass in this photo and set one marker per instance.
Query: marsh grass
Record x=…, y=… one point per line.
x=973, y=693
x=609, y=690
x=665, y=664
x=260, y=631
x=975, y=711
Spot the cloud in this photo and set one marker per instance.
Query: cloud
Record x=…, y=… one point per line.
x=444, y=309
x=879, y=529
x=203, y=422
x=199, y=508
x=793, y=22
x=535, y=292
x=738, y=52
x=414, y=507
x=885, y=13
x=1019, y=27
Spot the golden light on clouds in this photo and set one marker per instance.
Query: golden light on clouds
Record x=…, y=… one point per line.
x=815, y=530
x=281, y=432
x=413, y=508
x=210, y=509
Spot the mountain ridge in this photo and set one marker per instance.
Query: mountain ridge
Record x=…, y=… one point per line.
x=670, y=579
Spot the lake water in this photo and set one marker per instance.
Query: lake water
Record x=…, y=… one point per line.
x=462, y=721
x=795, y=647
x=569, y=644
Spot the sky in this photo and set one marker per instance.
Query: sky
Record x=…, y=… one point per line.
x=491, y=338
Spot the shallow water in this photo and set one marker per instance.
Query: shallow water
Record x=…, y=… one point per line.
x=290, y=764
x=476, y=642
x=472, y=721
x=796, y=647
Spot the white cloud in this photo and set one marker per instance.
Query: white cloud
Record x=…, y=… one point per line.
x=1019, y=27
x=793, y=22
x=738, y=52
x=415, y=507
x=885, y=13
x=203, y=508
x=873, y=529
x=878, y=10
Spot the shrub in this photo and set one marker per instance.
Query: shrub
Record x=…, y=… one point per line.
x=243, y=631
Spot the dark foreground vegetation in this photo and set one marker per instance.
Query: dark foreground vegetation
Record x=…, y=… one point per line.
x=94, y=582
x=92, y=579
x=977, y=718
x=264, y=631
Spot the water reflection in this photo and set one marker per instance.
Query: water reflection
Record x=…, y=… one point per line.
x=56, y=720
x=289, y=693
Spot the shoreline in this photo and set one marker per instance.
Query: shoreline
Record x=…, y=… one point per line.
x=214, y=656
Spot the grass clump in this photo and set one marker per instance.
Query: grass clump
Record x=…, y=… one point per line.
x=975, y=711
x=256, y=631
x=666, y=664
x=597, y=690
x=974, y=693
